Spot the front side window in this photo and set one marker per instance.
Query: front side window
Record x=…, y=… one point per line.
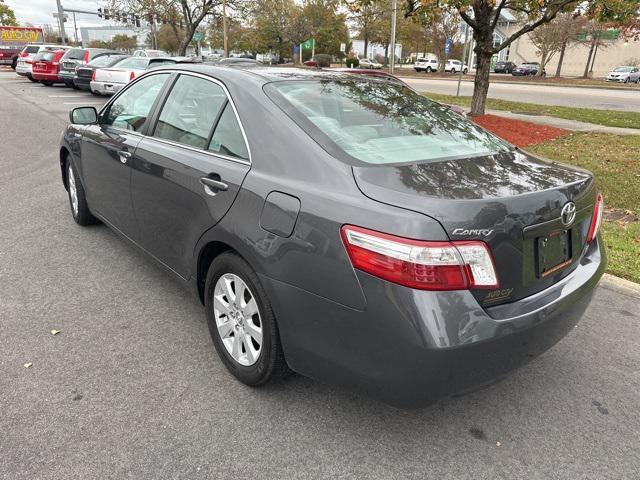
x=75, y=54
x=130, y=110
x=380, y=122
x=190, y=111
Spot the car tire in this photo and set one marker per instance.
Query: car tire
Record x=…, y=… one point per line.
x=47, y=83
x=69, y=84
x=464, y=71
x=428, y=70
x=453, y=71
x=227, y=273
x=626, y=80
x=32, y=79
x=14, y=63
x=74, y=86
x=77, y=199
x=97, y=94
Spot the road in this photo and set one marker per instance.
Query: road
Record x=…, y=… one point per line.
x=132, y=387
x=601, y=98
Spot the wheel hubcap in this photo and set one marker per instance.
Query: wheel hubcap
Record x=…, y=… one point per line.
x=73, y=192
x=237, y=319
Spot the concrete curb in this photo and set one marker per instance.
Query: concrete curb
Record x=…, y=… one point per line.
x=470, y=80
x=621, y=285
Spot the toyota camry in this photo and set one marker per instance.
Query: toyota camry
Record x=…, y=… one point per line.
x=341, y=226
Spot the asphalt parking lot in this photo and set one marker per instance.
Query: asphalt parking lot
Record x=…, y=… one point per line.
x=131, y=387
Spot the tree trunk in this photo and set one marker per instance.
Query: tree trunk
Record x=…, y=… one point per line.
x=481, y=82
x=543, y=62
x=593, y=60
x=366, y=45
x=561, y=59
x=586, y=67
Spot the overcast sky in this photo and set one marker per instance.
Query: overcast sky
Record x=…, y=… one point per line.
x=40, y=12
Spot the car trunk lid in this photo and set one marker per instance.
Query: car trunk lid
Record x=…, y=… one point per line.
x=512, y=201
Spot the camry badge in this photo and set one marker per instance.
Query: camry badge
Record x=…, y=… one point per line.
x=483, y=232
x=568, y=213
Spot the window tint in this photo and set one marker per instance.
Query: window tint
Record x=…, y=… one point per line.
x=227, y=138
x=131, y=109
x=190, y=111
x=155, y=62
x=381, y=122
x=32, y=49
x=45, y=56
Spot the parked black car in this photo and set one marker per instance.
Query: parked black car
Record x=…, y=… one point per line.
x=527, y=69
x=389, y=245
x=504, y=67
x=84, y=74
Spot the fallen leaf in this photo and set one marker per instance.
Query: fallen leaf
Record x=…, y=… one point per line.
x=498, y=444
x=55, y=332
x=28, y=365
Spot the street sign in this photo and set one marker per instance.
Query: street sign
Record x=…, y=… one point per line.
x=343, y=47
x=198, y=36
x=447, y=46
x=308, y=45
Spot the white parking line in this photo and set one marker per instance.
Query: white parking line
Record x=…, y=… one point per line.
x=83, y=103
x=65, y=96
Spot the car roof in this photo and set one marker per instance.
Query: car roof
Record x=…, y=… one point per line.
x=265, y=74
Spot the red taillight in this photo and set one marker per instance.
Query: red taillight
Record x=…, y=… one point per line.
x=596, y=220
x=93, y=76
x=132, y=76
x=24, y=54
x=419, y=264
x=86, y=56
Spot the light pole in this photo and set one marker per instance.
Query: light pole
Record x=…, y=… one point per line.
x=392, y=44
x=464, y=57
x=63, y=37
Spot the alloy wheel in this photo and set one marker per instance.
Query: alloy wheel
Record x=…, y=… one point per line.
x=237, y=319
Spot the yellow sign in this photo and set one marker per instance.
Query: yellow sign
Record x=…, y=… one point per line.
x=19, y=35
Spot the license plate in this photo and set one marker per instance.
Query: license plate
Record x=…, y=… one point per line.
x=553, y=252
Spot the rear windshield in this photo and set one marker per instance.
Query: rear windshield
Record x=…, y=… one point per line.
x=134, y=63
x=105, y=60
x=380, y=122
x=45, y=56
x=31, y=49
x=75, y=54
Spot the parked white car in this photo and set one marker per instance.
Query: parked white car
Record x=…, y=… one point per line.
x=107, y=81
x=371, y=64
x=454, y=66
x=426, y=65
x=24, y=65
x=624, y=74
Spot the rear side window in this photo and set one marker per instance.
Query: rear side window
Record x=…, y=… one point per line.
x=104, y=61
x=31, y=49
x=130, y=110
x=156, y=62
x=75, y=54
x=227, y=138
x=190, y=112
x=45, y=56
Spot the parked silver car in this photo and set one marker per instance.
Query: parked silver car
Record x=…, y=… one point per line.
x=625, y=74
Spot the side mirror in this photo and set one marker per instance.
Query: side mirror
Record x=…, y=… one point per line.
x=84, y=116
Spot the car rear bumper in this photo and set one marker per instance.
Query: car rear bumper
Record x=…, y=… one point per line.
x=67, y=75
x=46, y=77
x=410, y=348
x=82, y=83
x=24, y=69
x=106, y=88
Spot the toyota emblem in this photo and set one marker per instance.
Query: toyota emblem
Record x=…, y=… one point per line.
x=568, y=213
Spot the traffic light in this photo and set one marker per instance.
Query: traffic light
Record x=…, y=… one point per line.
x=100, y=13
x=106, y=14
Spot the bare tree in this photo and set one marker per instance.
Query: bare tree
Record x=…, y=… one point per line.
x=553, y=38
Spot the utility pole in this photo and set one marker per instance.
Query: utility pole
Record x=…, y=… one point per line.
x=75, y=27
x=392, y=44
x=224, y=28
x=464, y=56
x=63, y=37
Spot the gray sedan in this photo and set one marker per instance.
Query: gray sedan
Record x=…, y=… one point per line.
x=340, y=225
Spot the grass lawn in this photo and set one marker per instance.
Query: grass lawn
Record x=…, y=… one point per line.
x=615, y=161
x=609, y=118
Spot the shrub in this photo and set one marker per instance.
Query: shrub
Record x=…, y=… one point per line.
x=352, y=62
x=323, y=60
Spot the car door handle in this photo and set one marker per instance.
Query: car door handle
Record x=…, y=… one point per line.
x=124, y=156
x=212, y=186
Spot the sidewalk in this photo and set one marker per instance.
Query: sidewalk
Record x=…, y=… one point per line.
x=561, y=122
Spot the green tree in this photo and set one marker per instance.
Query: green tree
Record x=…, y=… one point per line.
x=483, y=17
x=169, y=39
x=7, y=16
x=124, y=42
x=365, y=17
x=326, y=25
x=270, y=24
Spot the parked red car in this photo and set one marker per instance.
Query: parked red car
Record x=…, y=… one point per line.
x=46, y=67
